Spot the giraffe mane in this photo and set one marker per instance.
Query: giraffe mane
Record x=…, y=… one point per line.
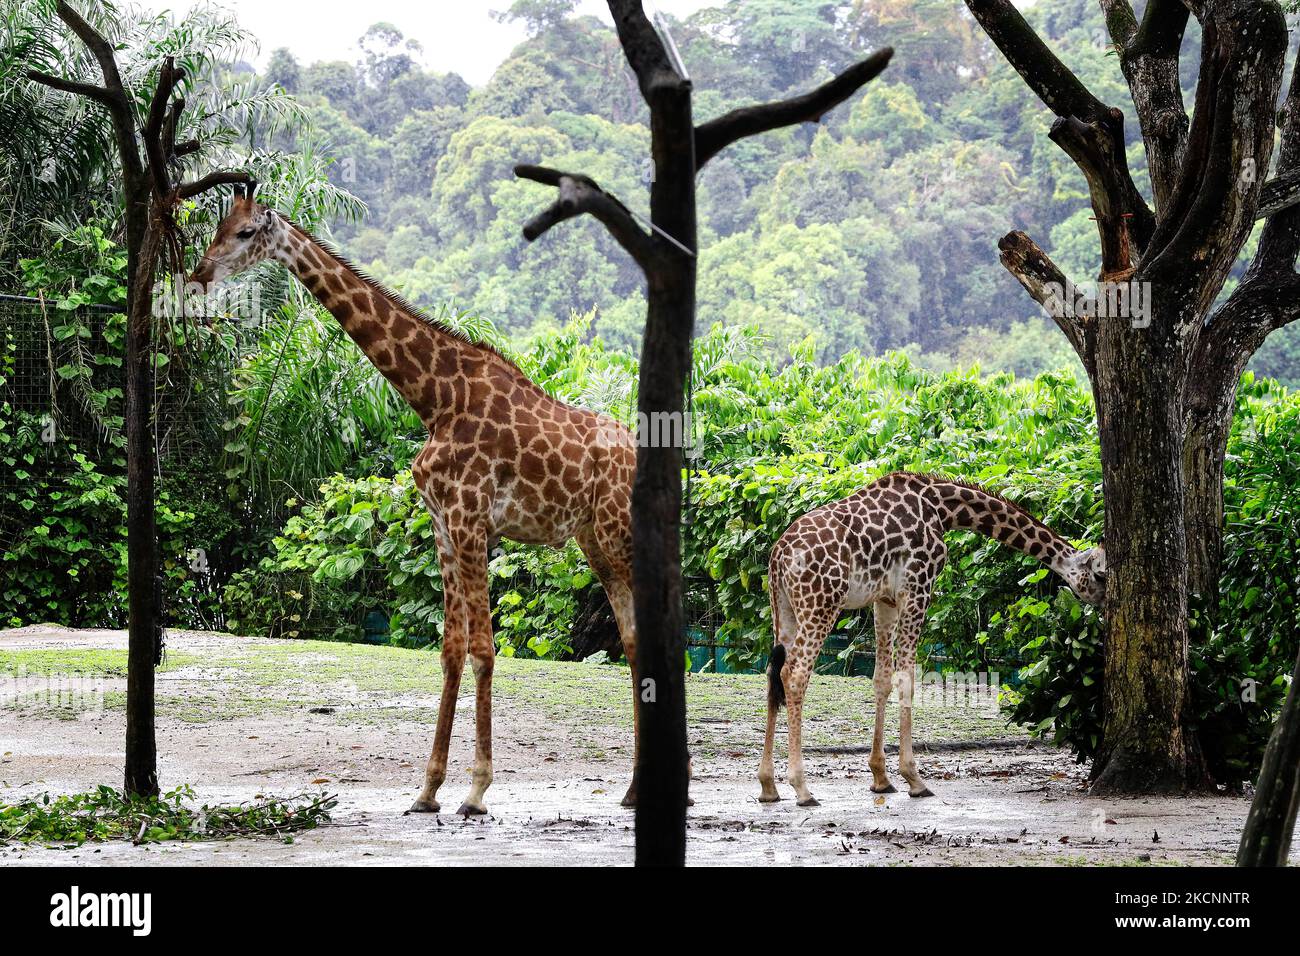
x=965, y=483
x=397, y=300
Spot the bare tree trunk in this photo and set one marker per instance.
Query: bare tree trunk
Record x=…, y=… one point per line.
x=657, y=493
x=1266, y=840
x=1144, y=743
x=148, y=195
x=145, y=628
x=1174, y=380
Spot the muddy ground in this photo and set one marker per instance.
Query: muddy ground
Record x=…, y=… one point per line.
x=241, y=717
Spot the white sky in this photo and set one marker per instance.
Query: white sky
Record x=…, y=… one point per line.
x=457, y=35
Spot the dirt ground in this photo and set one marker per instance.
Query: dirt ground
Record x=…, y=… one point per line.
x=241, y=717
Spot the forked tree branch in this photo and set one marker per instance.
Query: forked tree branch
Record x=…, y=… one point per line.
x=715, y=135
x=210, y=181
x=90, y=90
x=95, y=41
x=1092, y=133
x=1051, y=80
x=1050, y=288
x=580, y=194
x=1149, y=58
x=1217, y=196
x=112, y=94
x=156, y=143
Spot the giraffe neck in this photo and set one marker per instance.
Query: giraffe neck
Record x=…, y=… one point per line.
x=970, y=509
x=420, y=359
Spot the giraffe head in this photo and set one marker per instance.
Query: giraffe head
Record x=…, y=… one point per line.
x=249, y=234
x=1085, y=573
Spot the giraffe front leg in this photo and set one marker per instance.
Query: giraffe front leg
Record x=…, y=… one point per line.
x=454, y=644
x=886, y=614
x=453, y=662
x=481, y=777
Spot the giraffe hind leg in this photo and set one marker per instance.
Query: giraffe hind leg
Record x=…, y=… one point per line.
x=813, y=630
x=908, y=633
x=615, y=576
x=472, y=574
x=782, y=626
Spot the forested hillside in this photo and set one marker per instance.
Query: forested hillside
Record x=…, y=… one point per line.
x=876, y=230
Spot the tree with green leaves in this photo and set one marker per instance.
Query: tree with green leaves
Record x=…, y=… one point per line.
x=1165, y=375
x=148, y=154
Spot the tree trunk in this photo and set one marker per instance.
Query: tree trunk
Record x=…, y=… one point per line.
x=144, y=633
x=1266, y=840
x=1204, y=450
x=1144, y=746
x=594, y=628
x=662, y=776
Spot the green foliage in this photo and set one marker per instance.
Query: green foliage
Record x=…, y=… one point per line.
x=368, y=545
x=874, y=230
x=777, y=444
x=104, y=815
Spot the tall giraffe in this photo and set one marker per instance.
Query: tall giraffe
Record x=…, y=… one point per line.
x=884, y=546
x=503, y=459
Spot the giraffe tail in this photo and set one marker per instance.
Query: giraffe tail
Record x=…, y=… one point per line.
x=775, y=687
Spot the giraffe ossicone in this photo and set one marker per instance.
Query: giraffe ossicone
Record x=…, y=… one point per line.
x=503, y=459
x=884, y=546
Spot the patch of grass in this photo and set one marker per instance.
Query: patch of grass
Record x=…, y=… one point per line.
x=105, y=814
x=378, y=685
x=78, y=662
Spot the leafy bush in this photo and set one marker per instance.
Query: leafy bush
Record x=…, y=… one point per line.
x=63, y=536
x=106, y=814
x=368, y=545
x=777, y=444
x=1243, y=640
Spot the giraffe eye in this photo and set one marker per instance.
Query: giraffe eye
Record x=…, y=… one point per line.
x=246, y=233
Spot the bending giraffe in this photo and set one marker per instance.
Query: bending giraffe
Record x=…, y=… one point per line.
x=503, y=459
x=884, y=546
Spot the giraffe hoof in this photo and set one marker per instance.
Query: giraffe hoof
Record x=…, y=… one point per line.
x=887, y=788
x=425, y=806
x=769, y=798
x=469, y=810
x=810, y=802
x=629, y=799
x=923, y=792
